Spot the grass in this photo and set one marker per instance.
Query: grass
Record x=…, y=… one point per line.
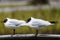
x=5, y=6
x=48, y=14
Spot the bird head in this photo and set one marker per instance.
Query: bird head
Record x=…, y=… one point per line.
x=5, y=20
x=29, y=19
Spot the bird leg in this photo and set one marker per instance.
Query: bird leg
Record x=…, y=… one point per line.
x=36, y=33
x=13, y=31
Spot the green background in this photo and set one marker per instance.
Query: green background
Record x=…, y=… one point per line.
x=47, y=14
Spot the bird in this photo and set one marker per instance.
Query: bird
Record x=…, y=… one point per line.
x=38, y=23
x=13, y=23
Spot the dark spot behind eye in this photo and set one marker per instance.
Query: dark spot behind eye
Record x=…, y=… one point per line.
x=5, y=20
x=28, y=20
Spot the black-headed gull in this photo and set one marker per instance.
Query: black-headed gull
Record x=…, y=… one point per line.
x=38, y=23
x=13, y=23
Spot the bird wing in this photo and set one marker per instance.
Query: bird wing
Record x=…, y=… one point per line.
x=16, y=22
x=38, y=22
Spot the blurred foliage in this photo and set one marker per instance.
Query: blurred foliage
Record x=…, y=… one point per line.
x=48, y=14
x=5, y=6
x=36, y=2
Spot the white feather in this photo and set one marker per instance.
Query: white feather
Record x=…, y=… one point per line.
x=38, y=23
x=14, y=23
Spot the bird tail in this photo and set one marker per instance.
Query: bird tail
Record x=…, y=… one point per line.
x=53, y=22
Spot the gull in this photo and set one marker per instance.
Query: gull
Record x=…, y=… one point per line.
x=38, y=23
x=13, y=23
